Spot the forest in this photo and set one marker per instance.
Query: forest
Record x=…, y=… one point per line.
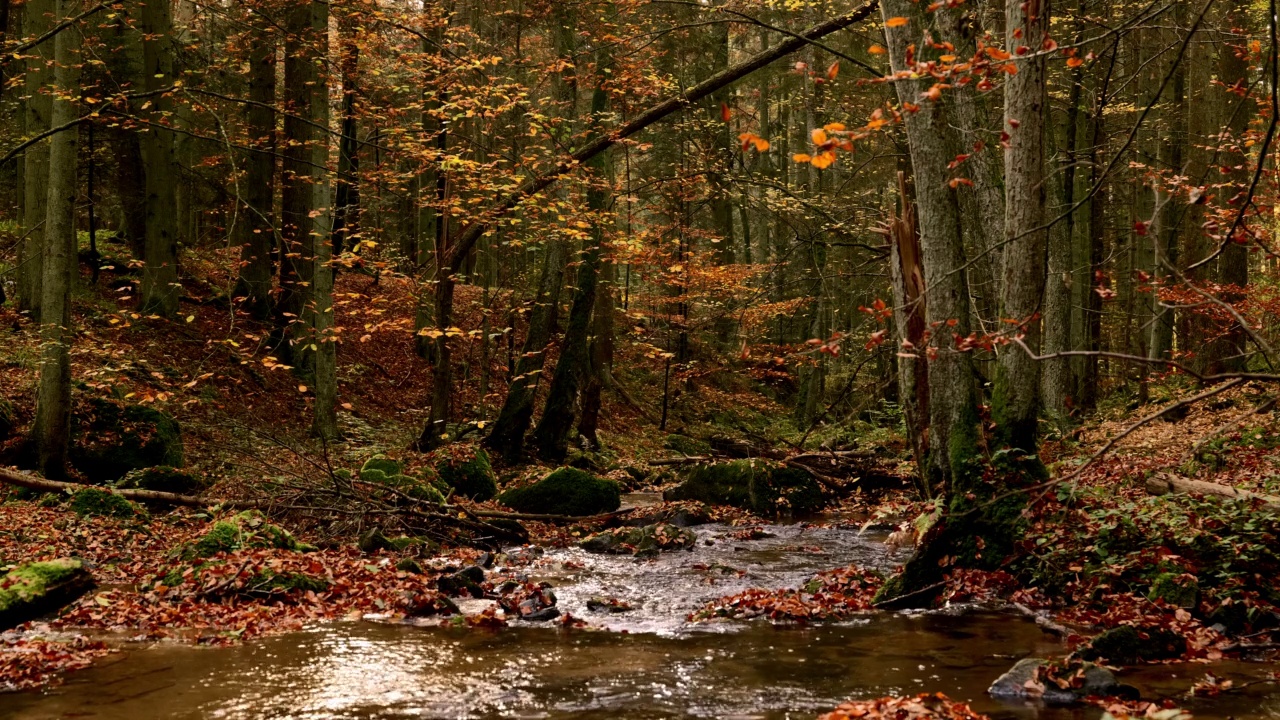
x=869, y=359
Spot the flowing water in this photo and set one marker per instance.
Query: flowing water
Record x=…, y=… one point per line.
x=651, y=663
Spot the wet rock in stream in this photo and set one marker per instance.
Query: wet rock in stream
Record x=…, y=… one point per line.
x=645, y=541
x=1037, y=679
x=465, y=580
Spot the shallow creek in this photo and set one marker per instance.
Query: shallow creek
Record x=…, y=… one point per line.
x=653, y=663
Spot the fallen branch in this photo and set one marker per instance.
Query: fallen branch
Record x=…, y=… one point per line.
x=1163, y=483
x=21, y=479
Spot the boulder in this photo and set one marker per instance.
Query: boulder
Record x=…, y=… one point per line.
x=1126, y=645
x=36, y=589
x=249, y=529
x=761, y=487
x=685, y=445
x=472, y=479
x=373, y=540
x=1026, y=681
x=110, y=438
x=164, y=478
x=641, y=541
x=92, y=502
x=567, y=491
x=465, y=580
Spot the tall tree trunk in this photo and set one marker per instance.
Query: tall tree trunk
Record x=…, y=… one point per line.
x=323, y=332
x=297, y=260
x=52, y=427
x=551, y=436
x=256, y=231
x=1057, y=382
x=975, y=529
x=1015, y=405
x=507, y=435
x=160, y=289
x=1164, y=235
x=907, y=273
x=601, y=372
x=37, y=19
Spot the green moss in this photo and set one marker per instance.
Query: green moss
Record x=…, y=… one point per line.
x=1176, y=589
x=409, y=565
x=567, y=491
x=756, y=485
x=31, y=590
x=92, y=502
x=164, y=478
x=1127, y=645
x=110, y=438
x=473, y=479
x=686, y=445
x=382, y=470
x=260, y=584
x=249, y=529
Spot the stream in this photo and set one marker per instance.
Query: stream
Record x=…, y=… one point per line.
x=651, y=663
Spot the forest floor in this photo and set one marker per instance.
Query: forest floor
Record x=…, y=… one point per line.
x=1194, y=577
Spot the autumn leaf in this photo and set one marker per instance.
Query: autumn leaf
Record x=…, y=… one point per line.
x=894, y=22
x=823, y=160
x=833, y=70
x=819, y=136
x=725, y=114
x=876, y=50
x=801, y=158
x=1074, y=62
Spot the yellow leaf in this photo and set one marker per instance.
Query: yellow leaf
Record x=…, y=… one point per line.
x=191, y=318
x=898, y=21
x=302, y=388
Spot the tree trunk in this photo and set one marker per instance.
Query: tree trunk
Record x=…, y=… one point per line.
x=551, y=436
x=52, y=427
x=507, y=435
x=1015, y=404
x=601, y=355
x=37, y=19
x=324, y=334
x=907, y=274
x=297, y=262
x=160, y=289
x=256, y=230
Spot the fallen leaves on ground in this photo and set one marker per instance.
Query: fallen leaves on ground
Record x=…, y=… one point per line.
x=831, y=595
x=26, y=664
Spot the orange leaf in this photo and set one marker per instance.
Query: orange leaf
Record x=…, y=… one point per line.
x=724, y=112
x=761, y=144
x=801, y=158
x=898, y=21
x=833, y=127
x=876, y=50
x=1074, y=62
x=824, y=159
x=833, y=70
x=819, y=136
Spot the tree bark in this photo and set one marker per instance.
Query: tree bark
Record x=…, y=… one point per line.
x=37, y=19
x=160, y=289
x=256, y=230
x=52, y=427
x=324, y=334
x=1016, y=400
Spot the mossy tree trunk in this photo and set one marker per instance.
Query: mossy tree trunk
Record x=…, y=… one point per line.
x=52, y=428
x=974, y=528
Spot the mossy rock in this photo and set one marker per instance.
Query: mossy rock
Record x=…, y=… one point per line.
x=248, y=530
x=110, y=438
x=374, y=540
x=261, y=584
x=686, y=445
x=1176, y=589
x=473, y=479
x=1126, y=645
x=755, y=485
x=567, y=491
x=382, y=470
x=36, y=589
x=92, y=502
x=164, y=478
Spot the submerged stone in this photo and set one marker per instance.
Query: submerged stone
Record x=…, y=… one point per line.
x=567, y=491
x=640, y=541
x=36, y=589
